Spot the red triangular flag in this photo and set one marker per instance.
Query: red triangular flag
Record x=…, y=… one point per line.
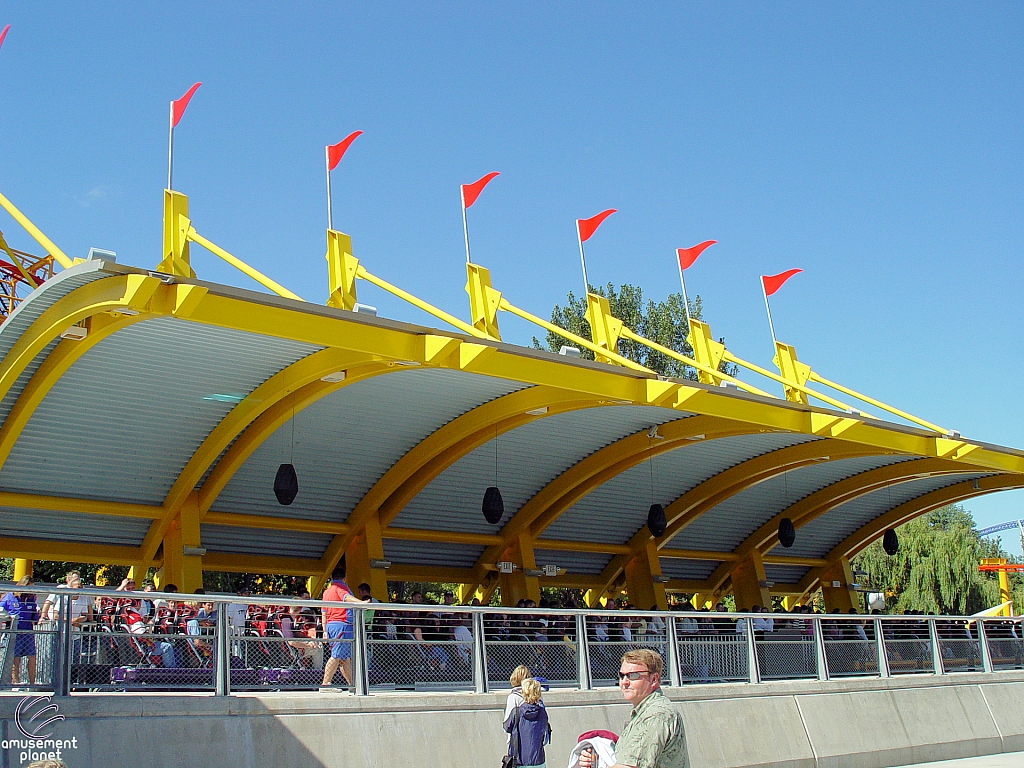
x=470, y=192
x=178, y=105
x=587, y=227
x=772, y=283
x=689, y=255
x=4, y=34
x=336, y=151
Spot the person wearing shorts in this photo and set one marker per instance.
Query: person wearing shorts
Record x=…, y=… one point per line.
x=338, y=628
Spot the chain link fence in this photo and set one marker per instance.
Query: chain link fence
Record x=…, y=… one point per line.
x=610, y=635
x=908, y=646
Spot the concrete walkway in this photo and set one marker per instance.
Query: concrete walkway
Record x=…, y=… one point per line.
x=1008, y=760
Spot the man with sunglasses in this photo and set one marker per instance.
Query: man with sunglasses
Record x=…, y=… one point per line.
x=653, y=737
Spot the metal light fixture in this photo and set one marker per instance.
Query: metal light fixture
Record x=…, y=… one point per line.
x=890, y=542
x=787, y=533
x=656, y=522
x=494, y=506
x=286, y=484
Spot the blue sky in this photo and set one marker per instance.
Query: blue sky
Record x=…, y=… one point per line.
x=876, y=146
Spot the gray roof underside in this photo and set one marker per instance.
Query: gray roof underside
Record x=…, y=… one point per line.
x=687, y=569
x=254, y=541
x=422, y=553
x=74, y=527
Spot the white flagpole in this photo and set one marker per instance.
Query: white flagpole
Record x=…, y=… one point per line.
x=583, y=261
x=170, y=144
x=465, y=226
x=769, y=310
x=682, y=282
x=327, y=165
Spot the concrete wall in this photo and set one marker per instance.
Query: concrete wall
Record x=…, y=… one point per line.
x=862, y=723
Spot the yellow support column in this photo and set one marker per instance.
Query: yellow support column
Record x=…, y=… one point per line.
x=518, y=585
x=341, y=270
x=704, y=600
x=483, y=300
x=749, y=583
x=185, y=571
x=643, y=591
x=791, y=370
x=22, y=568
x=706, y=351
x=365, y=547
x=789, y=602
x=605, y=328
x=175, y=259
x=837, y=587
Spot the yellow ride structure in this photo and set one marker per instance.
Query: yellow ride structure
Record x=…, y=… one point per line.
x=144, y=413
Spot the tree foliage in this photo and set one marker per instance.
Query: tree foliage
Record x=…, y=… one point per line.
x=663, y=322
x=935, y=569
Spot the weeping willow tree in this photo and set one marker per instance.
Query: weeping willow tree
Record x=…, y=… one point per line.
x=936, y=567
x=663, y=322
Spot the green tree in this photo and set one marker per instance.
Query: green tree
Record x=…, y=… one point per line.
x=663, y=322
x=936, y=567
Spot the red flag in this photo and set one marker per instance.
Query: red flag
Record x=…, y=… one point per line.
x=470, y=192
x=337, y=151
x=689, y=255
x=772, y=283
x=587, y=227
x=178, y=106
x=4, y=34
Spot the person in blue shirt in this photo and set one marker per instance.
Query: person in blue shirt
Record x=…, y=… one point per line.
x=528, y=727
x=25, y=607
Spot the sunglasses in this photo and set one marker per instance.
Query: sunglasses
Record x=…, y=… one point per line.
x=634, y=676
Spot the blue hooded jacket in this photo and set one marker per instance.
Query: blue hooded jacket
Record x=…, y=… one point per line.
x=528, y=725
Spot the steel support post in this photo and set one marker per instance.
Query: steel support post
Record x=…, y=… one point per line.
x=67, y=647
x=752, y=668
x=819, y=648
x=223, y=651
x=986, y=653
x=479, y=654
x=883, y=658
x=583, y=653
x=672, y=647
x=936, y=650
x=359, y=672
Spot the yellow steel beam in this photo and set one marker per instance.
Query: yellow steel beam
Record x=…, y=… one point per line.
x=440, y=537
x=562, y=492
x=267, y=522
x=238, y=563
x=712, y=492
x=827, y=499
x=76, y=552
x=241, y=266
x=897, y=516
x=36, y=233
x=438, y=451
x=66, y=504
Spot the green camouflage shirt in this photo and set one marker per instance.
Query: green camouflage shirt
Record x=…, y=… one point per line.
x=653, y=737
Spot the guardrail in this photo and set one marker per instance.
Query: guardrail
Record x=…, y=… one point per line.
x=103, y=641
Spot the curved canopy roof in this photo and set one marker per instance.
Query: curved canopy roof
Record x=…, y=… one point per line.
x=164, y=426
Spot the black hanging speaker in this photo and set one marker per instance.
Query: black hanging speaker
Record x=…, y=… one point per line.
x=656, y=522
x=787, y=533
x=493, y=506
x=286, y=484
x=890, y=542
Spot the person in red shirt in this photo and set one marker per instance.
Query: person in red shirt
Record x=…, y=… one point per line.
x=338, y=627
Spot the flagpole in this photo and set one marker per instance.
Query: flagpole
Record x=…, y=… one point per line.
x=771, y=325
x=583, y=261
x=465, y=226
x=170, y=143
x=327, y=165
x=686, y=302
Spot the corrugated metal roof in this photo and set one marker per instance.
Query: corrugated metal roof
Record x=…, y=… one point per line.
x=728, y=524
x=348, y=439
x=618, y=509
x=26, y=313
x=432, y=553
x=123, y=421
x=821, y=535
x=687, y=569
x=254, y=541
x=785, y=574
x=75, y=527
x=590, y=563
x=528, y=459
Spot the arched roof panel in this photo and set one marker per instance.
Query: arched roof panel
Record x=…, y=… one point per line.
x=74, y=527
x=256, y=541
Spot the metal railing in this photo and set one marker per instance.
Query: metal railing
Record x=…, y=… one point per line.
x=102, y=641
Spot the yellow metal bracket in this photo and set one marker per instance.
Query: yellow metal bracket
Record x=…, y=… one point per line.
x=342, y=268
x=484, y=301
x=175, y=242
x=605, y=328
x=793, y=371
x=706, y=351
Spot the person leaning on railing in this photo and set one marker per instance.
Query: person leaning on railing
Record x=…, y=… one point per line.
x=26, y=612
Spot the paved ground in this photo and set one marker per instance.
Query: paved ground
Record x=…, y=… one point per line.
x=1008, y=760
